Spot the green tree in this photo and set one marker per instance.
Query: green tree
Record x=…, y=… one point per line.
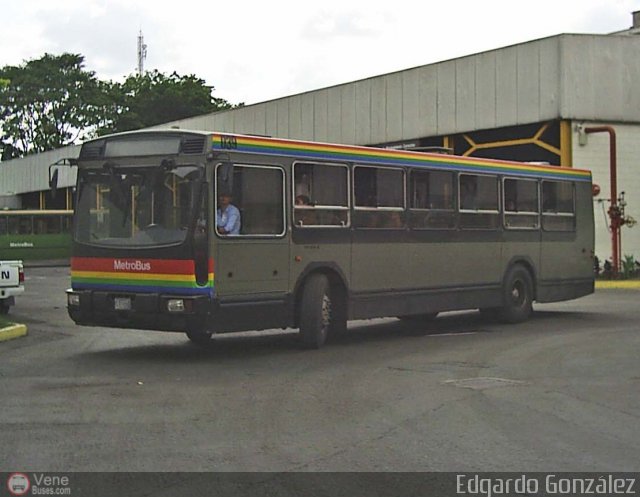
x=48, y=103
x=155, y=98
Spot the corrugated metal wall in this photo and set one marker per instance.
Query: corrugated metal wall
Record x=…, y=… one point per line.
x=505, y=87
x=31, y=173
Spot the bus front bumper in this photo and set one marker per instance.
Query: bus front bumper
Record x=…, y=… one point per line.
x=150, y=311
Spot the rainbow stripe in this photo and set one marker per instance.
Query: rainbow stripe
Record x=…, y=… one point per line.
x=370, y=155
x=139, y=275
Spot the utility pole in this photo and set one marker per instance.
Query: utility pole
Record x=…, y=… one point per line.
x=142, y=53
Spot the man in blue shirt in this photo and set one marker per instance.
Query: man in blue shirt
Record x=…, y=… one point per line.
x=227, y=216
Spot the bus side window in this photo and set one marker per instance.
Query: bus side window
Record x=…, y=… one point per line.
x=320, y=195
x=258, y=195
x=478, y=204
x=520, y=204
x=432, y=200
x=558, y=206
x=25, y=225
x=379, y=197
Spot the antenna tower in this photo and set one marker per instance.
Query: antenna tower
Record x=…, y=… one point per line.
x=142, y=53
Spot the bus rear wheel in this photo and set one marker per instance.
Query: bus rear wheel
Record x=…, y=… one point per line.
x=517, y=296
x=318, y=312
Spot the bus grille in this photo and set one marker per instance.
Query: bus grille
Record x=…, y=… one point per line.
x=94, y=152
x=193, y=145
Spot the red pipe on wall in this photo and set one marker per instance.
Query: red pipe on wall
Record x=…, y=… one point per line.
x=614, y=211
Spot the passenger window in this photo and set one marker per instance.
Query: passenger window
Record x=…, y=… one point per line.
x=558, y=206
x=431, y=200
x=21, y=225
x=379, y=197
x=320, y=195
x=478, y=201
x=521, y=204
x=250, y=201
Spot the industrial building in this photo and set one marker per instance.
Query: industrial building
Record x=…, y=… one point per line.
x=568, y=100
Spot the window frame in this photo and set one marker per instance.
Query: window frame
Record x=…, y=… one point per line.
x=454, y=192
x=242, y=236
x=557, y=215
x=317, y=207
x=381, y=209
x=506, y=213
x=479, y=211
x=464, y=215
x=402, y=210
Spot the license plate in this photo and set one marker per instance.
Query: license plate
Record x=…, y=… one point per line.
x=122, y=303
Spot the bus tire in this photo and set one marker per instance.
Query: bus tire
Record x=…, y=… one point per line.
x=490, y=313
x=517, y=295
x=316, y=313
x=199, y=337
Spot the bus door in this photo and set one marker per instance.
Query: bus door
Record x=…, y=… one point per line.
x=251, y=243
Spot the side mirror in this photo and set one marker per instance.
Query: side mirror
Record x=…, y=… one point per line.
x=53, y=173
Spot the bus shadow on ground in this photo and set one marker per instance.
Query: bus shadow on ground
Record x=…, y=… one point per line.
x=239, y=346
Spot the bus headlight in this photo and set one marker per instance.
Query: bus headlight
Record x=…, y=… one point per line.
x=175, y=305
x=73, y=300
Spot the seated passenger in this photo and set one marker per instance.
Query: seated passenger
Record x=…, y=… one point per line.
x=304, y=217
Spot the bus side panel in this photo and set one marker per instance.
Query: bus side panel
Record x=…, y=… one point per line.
x=321, y=249
x=36, y=247
x=428, y=271
x=522, y=247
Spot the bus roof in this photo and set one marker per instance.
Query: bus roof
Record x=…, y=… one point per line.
x=307, y=150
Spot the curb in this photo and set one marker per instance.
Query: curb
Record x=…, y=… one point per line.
x=13, y=331
x=605, y=285
x=46, y=263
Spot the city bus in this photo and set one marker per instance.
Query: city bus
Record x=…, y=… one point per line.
x=317, y=234
x=35, y=234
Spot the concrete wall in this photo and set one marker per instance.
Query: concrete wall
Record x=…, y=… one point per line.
x=595, y=157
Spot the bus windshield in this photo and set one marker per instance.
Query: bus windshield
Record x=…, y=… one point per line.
x=136, y=206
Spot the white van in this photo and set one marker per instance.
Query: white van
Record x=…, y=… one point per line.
x=11, y=283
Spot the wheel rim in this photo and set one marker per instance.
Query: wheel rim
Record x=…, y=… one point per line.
x=518, y=294
x=326, y=312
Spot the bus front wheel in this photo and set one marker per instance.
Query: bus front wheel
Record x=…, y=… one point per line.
x=517, y=295
x=317, y=312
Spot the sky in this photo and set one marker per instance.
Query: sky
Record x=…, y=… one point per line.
x=252, y=51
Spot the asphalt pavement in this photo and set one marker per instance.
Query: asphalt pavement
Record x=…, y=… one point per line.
x=557, y=393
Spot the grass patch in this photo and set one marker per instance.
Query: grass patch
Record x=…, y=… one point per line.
x=4, y=321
